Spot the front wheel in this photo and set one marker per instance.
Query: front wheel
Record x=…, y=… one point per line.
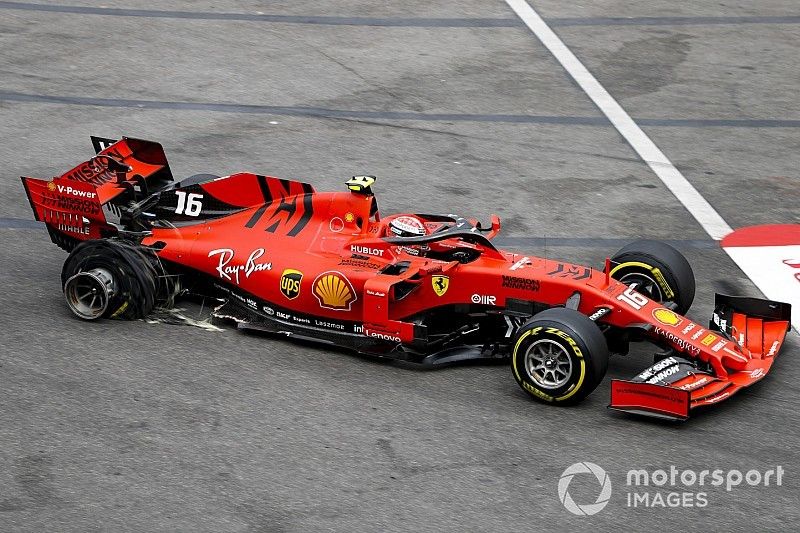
x=559, y=356
x=658, y=270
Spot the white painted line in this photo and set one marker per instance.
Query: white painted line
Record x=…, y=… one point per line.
x=693, y=201
x=686, y=194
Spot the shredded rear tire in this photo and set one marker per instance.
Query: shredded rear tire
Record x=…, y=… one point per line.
x=135, y=275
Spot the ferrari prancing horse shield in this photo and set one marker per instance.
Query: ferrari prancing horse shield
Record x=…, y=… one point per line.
x=440, y=284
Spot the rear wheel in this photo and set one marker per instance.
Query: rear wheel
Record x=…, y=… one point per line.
x=89, y=293
x=109, y=279
x=659, y=272
x=559, y=356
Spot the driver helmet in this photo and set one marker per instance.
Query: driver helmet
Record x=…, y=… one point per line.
x=407, y=226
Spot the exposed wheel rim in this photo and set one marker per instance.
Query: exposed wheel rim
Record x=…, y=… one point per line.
x=644, y=284
x=548, y=364
x=88, y=293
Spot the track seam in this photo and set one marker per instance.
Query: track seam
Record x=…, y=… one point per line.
x=352, y=114
x=393, y=22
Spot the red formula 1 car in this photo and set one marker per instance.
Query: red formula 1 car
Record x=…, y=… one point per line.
x=427, y=289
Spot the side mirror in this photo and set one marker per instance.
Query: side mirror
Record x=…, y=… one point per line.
x=493, y=230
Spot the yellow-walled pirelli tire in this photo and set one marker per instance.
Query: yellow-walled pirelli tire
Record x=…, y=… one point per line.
x=659, y=271
x=559, y=356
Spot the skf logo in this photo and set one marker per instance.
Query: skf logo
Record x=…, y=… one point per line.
x=440, y=284
x=334, y=291
x=666, y=317
x=290, y=283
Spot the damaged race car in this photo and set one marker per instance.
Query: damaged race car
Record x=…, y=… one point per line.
x=429, y=289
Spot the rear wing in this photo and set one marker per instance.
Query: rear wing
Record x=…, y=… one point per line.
x=84, y=202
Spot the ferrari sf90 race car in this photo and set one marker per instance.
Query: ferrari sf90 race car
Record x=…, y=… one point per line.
x=430, y=289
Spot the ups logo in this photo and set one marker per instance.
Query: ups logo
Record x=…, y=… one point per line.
x=290, y=283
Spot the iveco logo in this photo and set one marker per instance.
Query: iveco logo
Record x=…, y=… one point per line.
x=365, y=250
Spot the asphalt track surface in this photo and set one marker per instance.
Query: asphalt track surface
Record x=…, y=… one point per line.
x=115, y=426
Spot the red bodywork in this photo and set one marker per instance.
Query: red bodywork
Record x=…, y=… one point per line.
x=335, y=248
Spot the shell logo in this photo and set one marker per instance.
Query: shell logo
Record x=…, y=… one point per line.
x=334, y=291
x=666, y=317
x=51, y=186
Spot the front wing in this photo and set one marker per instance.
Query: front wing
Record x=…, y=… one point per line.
x=674, y=386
